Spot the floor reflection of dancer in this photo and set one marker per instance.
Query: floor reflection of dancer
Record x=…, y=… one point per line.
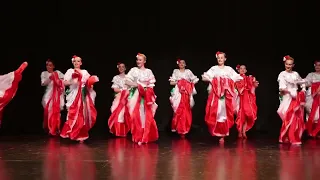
x=119, y=120
x=80, y=102
x=221, y=100
x=9, y=85
x=247, y=107
x=313, y=101
x=181, y=98
x=142, y=102
x=291, y=109
x=53, y=98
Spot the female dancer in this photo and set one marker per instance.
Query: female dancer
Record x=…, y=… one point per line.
x=291, y=104
x=142, y=102
x=182, y=98
x=119, y=121
x=9, y=86
x=247, y=112
x=53, y=98
x=221, y=101
x=313, y=100
x=80, y=102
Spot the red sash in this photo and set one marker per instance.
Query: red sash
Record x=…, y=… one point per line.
x=182, y=119
x=52, y=123
x=120, y=129
x=150, y=132
x=248, y=107
x=221, y=88
x=314, y=107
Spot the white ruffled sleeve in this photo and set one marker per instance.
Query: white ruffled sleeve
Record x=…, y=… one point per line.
x=208, y=74
x=308, y=79
x=173, y=77
x=234, y=75
x=192, y=77
x=115, y=83
x=60, y=74
x=282, y=82
x=44, y=79
x=152, y=78
x=301, y=82
x=68, y=75
x=129, y=76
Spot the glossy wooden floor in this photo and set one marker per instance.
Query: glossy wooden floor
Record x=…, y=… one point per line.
x=43, y=158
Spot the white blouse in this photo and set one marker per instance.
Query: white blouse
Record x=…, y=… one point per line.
x=290, y=80
x=186, y=74
x=312, y=78
x=118, y=82
x=225, y=72
x=141, y=76
x=45, y=78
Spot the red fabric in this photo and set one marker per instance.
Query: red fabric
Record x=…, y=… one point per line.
x=150, y=132
x=220, y=87
x=78, y=124
x=116, y=128
x=293, y=124
x=314, y=128
x=11, y=92
x=182, y=119
x=248, y=108
x=52, y=123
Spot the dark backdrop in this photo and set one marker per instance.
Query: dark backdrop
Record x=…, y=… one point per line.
x=257, y=34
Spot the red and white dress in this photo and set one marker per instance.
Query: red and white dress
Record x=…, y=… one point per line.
x=290, y=109
x=182, y=100
x=221, y=102
x=247, y=107
x=142, y=106
x=313, y=104
x=80, y=98
x=52, y=100
x=119, y=120
x=9, y=86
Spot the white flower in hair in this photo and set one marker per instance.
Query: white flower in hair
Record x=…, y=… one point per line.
x=73, y=58
x=217, y=54
x=286, y=58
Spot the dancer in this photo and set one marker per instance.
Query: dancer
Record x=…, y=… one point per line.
x=291, y=109
x=221, y=101
x=313, y=101
x=9, y=85
x=53, y=98
x=119, y=121
x=80, y=102
x=247, y=107
x=181, y=98
x=142, y=102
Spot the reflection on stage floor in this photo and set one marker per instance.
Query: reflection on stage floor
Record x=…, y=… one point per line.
x=47, y=158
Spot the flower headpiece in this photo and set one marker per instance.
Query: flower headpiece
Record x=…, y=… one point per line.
x=74, y=57
x=218, y=53
x=238, y=67
x=287, y=57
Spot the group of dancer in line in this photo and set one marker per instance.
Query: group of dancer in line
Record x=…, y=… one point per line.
x=134, y=106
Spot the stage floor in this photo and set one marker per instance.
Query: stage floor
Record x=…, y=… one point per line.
x=197, y=158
